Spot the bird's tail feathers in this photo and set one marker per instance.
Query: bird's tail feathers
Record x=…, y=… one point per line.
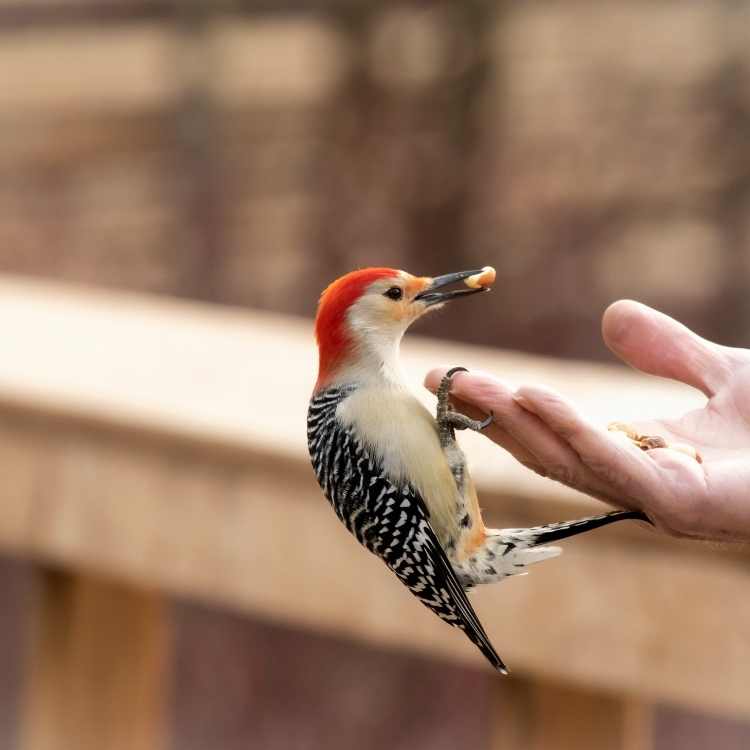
x=501, y=557
x=521, y=558
x=537, y=535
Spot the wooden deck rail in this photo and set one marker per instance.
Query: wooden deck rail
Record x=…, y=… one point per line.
x=161, y=444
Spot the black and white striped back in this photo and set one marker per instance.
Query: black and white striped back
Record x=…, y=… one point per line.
x=391, y=521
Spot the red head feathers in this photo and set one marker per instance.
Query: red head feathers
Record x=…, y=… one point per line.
x=330, y=323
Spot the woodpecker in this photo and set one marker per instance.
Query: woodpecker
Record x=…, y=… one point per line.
x=394, y=474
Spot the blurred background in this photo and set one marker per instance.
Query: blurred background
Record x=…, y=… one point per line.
x=246, y=153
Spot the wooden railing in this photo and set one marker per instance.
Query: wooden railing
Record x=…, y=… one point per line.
x=153, y=447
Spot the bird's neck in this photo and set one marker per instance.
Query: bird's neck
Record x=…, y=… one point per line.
x=374, y=361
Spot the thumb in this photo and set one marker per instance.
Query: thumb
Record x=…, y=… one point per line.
x=657, y=344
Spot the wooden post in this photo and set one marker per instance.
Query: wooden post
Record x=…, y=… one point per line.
x=548, y=716
x=98, y=667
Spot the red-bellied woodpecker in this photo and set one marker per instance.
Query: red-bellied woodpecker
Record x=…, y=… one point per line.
x=395, y=476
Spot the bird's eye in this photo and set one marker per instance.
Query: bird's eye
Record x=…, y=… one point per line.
x=394, y=292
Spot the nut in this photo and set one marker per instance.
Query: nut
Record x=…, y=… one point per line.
x=483, y=279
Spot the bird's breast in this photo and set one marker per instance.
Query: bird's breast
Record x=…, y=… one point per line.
x=401, y=435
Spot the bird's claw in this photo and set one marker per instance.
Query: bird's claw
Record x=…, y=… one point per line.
x=486, y=422
x=449, y=420
x=459, y=421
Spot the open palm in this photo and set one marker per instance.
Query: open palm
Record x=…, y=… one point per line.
x=548, y=434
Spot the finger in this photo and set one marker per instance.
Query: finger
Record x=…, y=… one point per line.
x=477, y=405
x=524, y=435
x=559, y=460
x=498, y=433
x=621, y=468
x=433, y=378
x=659, y=345
x=523, y=455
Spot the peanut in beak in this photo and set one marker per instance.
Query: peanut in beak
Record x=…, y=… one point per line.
x=485, y=278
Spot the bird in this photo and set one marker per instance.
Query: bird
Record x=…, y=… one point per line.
x=394, y=474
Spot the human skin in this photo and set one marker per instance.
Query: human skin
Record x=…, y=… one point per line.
x=545, y=432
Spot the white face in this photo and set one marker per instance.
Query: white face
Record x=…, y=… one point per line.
x=388, y=307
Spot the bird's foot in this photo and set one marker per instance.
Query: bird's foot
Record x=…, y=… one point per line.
x=449, y=420
x=649, y=442
x=460, y=421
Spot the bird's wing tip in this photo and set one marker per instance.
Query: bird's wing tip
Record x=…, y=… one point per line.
x=497, y=663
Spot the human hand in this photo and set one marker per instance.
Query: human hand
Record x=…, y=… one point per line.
x=545, y=432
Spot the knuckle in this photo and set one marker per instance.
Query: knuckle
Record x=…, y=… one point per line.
x=489, y=395
x=566, y=429
x=535, y=468
x=563, y=474
x=607, y=473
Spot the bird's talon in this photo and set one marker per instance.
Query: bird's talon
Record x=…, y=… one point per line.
x=457, y=421
x=453, y=371
x=449, y=420
x=443, y=393
x=486, y=422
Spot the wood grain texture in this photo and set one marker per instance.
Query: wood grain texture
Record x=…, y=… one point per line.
x=147, y=64
x=15, y=594
x=242, y=683
x=163, y=443
x=542, y=716
x=73, y=69
x=684, y=730
x=97, y=676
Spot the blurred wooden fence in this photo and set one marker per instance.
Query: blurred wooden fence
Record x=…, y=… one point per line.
x=155, y=448
x=588, y=150
x=248, y=151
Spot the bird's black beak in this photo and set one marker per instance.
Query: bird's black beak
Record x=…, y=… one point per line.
x=430, y=296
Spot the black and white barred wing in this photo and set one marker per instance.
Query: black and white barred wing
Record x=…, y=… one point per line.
x=390, y=521
x=421, y=564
